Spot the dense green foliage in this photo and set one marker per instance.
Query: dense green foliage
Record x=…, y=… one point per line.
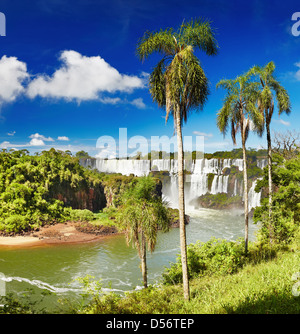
x=32, y=188
x=206, y=258
x=286, y=200
x=142, y=211
x=237, y=153
x=263, y=276
x=260, y=284
x=140, y=215
x=220, y=201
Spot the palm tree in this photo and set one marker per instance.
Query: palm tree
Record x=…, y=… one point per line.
x=178, y=84
x=140, y=216
x=241, y=113
x=271, y=90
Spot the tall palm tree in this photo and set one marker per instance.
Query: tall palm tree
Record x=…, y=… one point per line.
x=140, y=216
x=178, y=84
x=270, y=91
x=241, y=113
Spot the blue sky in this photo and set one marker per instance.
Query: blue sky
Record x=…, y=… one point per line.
x=69, y=73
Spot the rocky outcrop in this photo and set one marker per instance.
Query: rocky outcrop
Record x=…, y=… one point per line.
x=93, y=199
x=221, y=201
x=95, y=229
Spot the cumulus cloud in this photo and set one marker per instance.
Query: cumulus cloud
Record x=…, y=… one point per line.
x=82, y=78
x=36, y=142
x=12, y=75
x=63, y=138
x=39, y=140
x=139, y=103
x=38, y=136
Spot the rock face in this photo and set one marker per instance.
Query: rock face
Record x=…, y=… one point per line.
x=105, y=194
x=93, y=199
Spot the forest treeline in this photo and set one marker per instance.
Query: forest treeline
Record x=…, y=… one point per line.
x=37, y=189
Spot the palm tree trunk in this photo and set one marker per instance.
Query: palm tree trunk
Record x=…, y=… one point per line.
x=143, y=261
x=270, y=180
x=245, y=196
x=181, y=207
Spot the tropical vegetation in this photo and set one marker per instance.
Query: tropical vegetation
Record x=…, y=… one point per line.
x=240, y=113
x=141, y=214
x=178, y=84
x=45, y=188
x=270, y=91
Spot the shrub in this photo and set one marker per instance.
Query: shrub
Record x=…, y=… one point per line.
x=81, y=215
x=14, y=224
x=206, y=258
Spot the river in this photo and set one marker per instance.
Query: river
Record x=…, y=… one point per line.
x=54, y=268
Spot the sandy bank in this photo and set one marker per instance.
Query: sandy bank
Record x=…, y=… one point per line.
x=70, y=232
x=18, y=240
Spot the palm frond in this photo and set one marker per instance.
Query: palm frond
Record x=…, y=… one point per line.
x=178, y=82
x=199, y=33
x=161, y=42
x=282, y=97
x=246, y=129
x=269, y=84
x=157, y=83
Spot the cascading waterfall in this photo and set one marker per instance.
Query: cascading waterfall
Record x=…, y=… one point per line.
x=219, y=184
x=253, y=197
x=196, y=181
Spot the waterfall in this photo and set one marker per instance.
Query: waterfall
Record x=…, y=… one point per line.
x=126, y=167
x=220, y=184
x=196, y=181
x=253, y=197
x=261, y=163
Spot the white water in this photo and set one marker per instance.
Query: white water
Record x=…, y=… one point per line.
x=196, y=183
x=55, y=268
x=110, y=260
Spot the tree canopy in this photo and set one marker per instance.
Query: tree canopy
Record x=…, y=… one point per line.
x=30, y=185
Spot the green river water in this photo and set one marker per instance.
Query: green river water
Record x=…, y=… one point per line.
x=54, y=268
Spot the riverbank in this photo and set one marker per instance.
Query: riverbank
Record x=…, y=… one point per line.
x=62, y=233
x=70, y=232
x=266, y=284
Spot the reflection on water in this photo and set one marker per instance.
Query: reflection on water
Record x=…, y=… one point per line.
x=54, y=268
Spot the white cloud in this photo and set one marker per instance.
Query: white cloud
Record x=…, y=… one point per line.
x=41, y=137
x=110, y=100
x=106, y=154
x=82, y=78
x=218, y=145
x=297, y=74
x=11, y=133
x=281, y=121
x=63, y=138
x=36, y=142
x=198, y=133
x=5, y=144
x=139, y=103
x=292, y=75
x=39, y=140
x=12, y=74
